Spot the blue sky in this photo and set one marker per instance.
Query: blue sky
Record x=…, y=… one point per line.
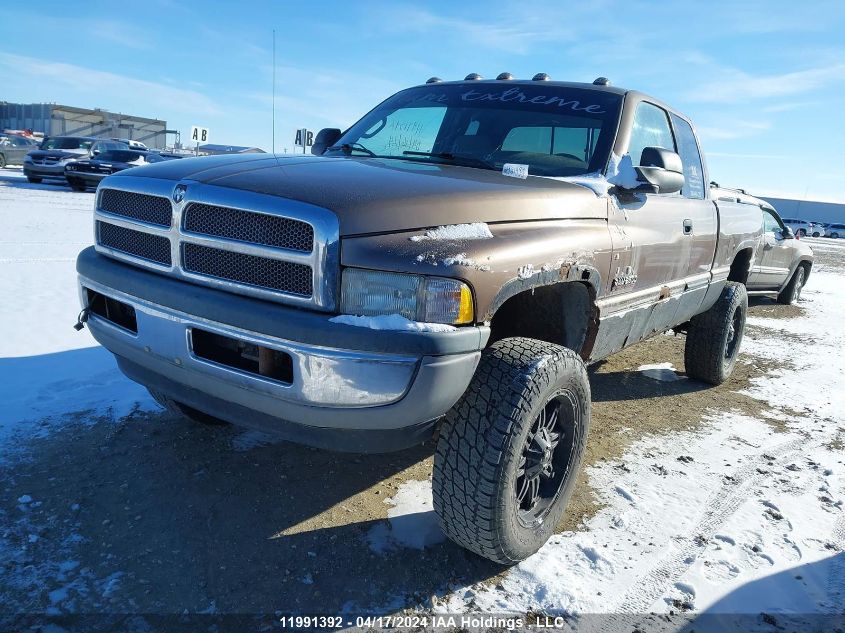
x=763, y=81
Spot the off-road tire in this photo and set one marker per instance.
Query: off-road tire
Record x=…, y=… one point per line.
x=792, y=291
x=76, y=184
x=34, y=179
x=178, y=409
x=714, y=337
x=483, y=439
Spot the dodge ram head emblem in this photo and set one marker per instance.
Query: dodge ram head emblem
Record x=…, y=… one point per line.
x=179, y=193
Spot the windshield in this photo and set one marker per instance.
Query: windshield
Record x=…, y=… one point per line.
x=554, y=130
x=66, y=142
x=119, y=156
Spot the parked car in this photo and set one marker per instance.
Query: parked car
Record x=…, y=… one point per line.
x=835, y=230
x=57, y=152
x=131, y=143
x=801, y=228
x=88, y=172
x=781, y=263
x=818, y=229
x=446, y=266
x=14, y=148
x=53, y=155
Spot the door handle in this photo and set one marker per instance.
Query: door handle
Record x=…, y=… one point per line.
x=687, y=227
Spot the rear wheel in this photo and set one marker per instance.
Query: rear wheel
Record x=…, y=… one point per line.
x=178, y=409
x=76, y=184
x=509, y=451
x=802, y=232
x=792, y=291
x=33, y=179
x=835, y=236
x=714, y=337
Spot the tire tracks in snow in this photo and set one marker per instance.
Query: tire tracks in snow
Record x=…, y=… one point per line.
x=723, y=503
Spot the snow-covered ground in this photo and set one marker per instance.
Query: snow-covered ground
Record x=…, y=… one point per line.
x=743, y=515
x=47, y=368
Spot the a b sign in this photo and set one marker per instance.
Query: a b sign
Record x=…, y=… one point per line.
x=304, y=138
x=199, y=134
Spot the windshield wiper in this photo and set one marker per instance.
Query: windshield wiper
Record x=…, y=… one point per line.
x=348, y=148
x=478, y=162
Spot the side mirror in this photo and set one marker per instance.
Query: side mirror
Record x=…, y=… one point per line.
x=325, y=139
x=787, y=234
x=661, y=170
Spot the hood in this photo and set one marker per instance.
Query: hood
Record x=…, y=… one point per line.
x=58, y=153
x=372, y=195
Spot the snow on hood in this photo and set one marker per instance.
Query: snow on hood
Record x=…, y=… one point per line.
x=474, y=231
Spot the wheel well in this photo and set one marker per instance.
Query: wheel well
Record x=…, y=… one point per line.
x=741, y=266
x=563, y=313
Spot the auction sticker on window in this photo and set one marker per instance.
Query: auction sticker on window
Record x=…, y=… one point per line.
x=515, y=170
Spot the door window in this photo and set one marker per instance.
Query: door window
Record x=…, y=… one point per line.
x=691, y=159
x=650, y=129
x=771, y=223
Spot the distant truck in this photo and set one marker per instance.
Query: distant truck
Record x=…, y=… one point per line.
x=444, y=268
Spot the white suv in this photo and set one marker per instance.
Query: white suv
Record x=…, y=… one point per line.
x=835, y=230
x=799, y=227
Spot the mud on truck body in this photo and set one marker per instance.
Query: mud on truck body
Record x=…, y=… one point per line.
x=447, y=267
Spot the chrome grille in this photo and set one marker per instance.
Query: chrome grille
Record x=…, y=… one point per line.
x=246, y=226
x=155, y=248
x=138, y=206
x=243, y=242
x=248, y=269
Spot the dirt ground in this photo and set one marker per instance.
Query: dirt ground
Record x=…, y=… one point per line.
x=155, y=514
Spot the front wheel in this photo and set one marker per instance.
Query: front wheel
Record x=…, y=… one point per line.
x=714, y=336
x=509, y=451
x=33, y=179
x=835, y=236
x=792, y=291
x=76, y=184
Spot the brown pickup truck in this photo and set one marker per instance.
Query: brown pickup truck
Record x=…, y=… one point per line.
x=444, y=268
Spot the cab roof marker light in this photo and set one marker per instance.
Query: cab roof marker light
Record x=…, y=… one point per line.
x=504, y=77
x=601, y=81
x=433, y=80
x=473, y=77
x=540, y=77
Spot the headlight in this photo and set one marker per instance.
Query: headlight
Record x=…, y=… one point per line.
x=415, y=297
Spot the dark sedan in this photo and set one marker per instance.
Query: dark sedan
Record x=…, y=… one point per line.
x=88, y=172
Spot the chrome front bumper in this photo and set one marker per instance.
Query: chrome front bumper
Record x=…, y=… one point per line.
x=56, y=170
x=332, y=389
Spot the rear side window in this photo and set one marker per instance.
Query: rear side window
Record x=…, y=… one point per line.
x=651, y=129
x=691, y=159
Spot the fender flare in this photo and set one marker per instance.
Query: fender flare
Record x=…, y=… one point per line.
x=566, y=272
